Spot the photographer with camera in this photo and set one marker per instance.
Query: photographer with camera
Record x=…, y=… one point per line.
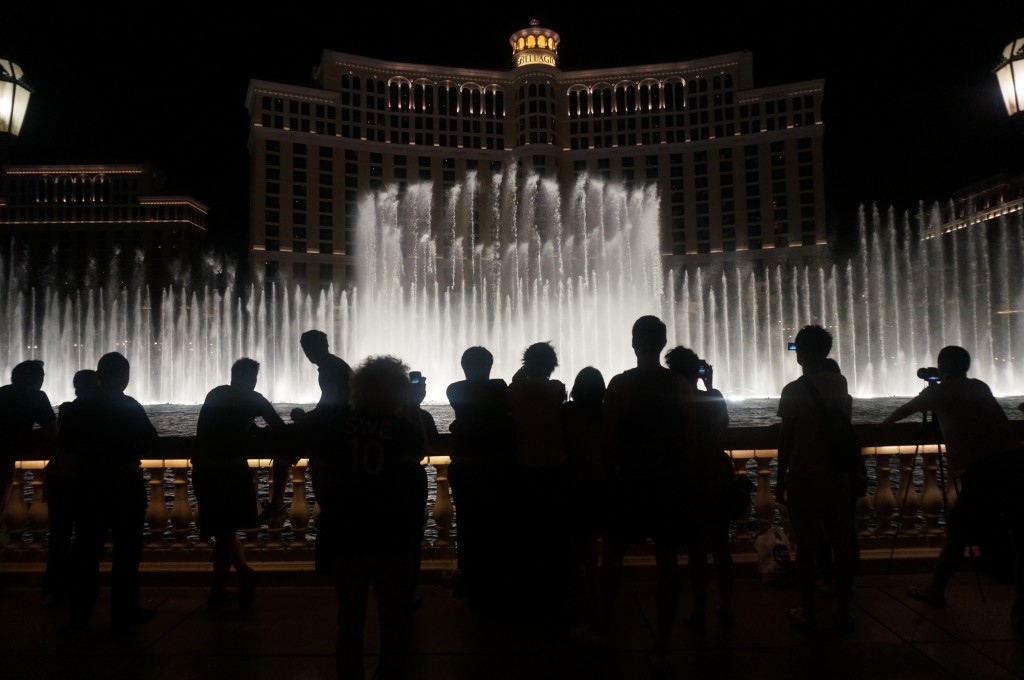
x=985, y=459
x=713, y=477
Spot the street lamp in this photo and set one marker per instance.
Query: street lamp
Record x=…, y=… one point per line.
x=14, y=94
x=1010, y=73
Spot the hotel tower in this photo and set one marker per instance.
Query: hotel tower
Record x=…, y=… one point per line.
x=738, y=168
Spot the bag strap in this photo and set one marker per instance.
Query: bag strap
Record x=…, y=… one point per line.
x=815, y=395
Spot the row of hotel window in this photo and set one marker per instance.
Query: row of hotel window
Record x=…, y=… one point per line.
x=60, y=189
x=103, y=213
x=605, y=130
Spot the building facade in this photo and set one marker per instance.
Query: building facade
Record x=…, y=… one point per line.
x=738, y=169
x=74, y=225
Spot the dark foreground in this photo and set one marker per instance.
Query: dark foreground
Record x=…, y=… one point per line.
x=290, y=634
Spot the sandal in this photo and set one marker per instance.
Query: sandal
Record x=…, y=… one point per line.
x=922, y=595
x=799, y=618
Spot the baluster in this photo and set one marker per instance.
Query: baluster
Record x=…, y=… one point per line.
x=885, y=500
x=951, y=487
x=931, y=494
x=16, y=513
x=181, y=510
x=742, y=522
x=275, y=527
x=299, y=513
x=764, y=500
x=202, y=549
x=156, y=512
x=38, y=511
x=443, y=511
x=252, y=534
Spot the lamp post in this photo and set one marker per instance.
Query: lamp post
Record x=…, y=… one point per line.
x=1010, y=73
x=14, y=95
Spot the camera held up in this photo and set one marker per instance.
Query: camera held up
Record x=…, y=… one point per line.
x=930, y=374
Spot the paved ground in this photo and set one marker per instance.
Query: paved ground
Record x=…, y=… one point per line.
x=289, y=634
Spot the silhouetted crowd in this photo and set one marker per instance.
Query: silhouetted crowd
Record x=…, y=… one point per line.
x=586, y=471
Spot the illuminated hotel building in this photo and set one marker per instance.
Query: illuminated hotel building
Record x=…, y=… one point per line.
x=738, y=168
x=81, y=223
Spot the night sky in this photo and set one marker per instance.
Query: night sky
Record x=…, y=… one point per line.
x=912, y=108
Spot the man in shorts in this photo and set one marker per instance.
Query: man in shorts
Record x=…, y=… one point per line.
x=650, y=428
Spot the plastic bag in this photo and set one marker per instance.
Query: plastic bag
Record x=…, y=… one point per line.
x=773, y=557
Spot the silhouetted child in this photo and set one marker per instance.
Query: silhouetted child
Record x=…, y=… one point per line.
x=591, y=481
x=432, y=441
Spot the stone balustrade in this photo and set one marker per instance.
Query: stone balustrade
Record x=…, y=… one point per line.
x=903, y=460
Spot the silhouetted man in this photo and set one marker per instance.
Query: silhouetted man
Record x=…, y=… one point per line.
x=108, y=432
x=23, y=406
x=986, y=461
x=333, y=375
x=481, y=459
x=225, y=431
x=650, y=431
x=817, y=491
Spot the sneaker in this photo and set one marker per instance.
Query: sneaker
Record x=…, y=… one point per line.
x=272, y=512
x=801, y=619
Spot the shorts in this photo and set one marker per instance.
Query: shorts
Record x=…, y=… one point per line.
x=225, y=496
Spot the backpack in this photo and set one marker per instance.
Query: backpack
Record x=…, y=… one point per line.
x=844, y=444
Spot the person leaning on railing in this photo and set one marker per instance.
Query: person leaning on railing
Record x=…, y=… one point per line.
x=23, y=406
